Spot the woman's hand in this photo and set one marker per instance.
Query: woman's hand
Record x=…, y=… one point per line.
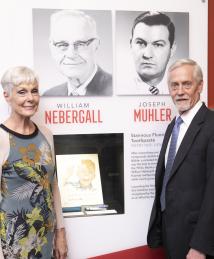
x=60, y=248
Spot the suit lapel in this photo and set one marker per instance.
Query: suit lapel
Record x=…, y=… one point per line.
x=93, y=85
x=189, y=137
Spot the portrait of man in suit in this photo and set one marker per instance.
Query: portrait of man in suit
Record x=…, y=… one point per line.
x=73, y=44
x=183, y=210
x=155, y=39
x=152, y=44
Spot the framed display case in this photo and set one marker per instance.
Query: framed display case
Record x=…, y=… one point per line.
x=90, y=171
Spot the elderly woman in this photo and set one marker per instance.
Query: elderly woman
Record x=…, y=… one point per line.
x=30, y=209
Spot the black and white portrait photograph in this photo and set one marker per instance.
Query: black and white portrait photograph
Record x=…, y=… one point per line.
x=73, y=52
x=146, y=44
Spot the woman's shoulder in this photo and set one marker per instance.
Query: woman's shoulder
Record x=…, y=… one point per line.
x=4, y=144
x=3, y=134
x=46, y=131
x=48, y=135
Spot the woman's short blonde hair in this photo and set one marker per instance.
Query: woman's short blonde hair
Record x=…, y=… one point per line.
x=15, y=76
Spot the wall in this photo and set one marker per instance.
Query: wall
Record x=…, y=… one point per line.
x=101, y=235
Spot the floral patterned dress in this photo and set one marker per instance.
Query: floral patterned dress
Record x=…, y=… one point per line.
x=27, y=218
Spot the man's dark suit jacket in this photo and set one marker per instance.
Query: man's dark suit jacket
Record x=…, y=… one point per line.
x=100, y=85
x=189, y=209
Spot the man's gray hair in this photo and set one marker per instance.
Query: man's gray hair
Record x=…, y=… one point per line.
x=57, y=16
x=197, y=72
x=15, y=76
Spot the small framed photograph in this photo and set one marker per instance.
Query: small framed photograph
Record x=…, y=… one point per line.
x=79, y=180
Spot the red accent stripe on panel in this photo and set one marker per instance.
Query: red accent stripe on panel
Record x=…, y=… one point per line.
x=142, y=252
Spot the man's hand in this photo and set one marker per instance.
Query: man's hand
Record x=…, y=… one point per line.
x=60, y=249
x=194, y=254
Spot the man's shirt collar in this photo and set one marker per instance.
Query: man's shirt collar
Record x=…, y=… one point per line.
x=81, y=90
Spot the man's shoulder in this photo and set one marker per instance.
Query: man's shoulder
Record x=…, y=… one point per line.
x=101, y=84
x=59, y=90
x=204, y=117
x=103, y=75
x=209, y=115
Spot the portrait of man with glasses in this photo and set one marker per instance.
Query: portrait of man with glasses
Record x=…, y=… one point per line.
x=73, y=43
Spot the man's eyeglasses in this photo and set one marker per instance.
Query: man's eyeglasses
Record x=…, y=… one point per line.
x=78, y=46
x=185, y=85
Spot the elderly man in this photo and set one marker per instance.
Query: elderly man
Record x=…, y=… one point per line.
x=73, y=45
x=183, y=211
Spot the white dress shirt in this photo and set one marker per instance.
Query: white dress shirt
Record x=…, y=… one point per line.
x=130, y=83
x=187, y=118
x=81, y=90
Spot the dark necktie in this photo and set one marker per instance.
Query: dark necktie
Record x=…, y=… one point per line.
x=154, y=90
x=170, y=160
